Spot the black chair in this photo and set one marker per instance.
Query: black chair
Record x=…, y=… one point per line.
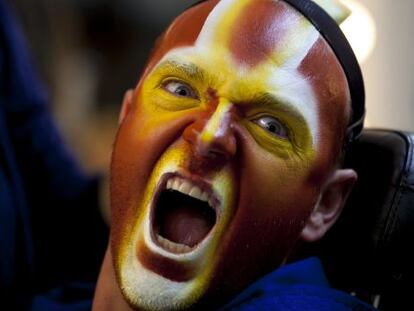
x=369, y=251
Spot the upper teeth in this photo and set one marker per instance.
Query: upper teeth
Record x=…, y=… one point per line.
x=186, y=187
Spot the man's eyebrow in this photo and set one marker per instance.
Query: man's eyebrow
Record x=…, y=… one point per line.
x=273, y=102
x=187, y=69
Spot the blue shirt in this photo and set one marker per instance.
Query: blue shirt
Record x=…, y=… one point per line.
x=300, y=286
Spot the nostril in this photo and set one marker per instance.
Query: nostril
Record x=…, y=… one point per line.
x=219, y=147
x=211, y=153
x=215, y=153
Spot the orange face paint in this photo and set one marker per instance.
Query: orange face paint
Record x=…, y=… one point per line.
x=264, y=29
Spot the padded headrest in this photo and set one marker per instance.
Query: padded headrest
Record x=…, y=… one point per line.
x=370, y=249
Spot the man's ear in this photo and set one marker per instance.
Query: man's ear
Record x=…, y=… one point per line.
x=331, y=201
x=126, y=105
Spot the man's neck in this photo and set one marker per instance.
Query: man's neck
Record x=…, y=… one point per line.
x=108, y=297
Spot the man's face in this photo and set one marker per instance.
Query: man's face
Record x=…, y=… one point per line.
x=221, y=156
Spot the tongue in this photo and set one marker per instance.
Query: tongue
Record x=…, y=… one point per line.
x=187, y=223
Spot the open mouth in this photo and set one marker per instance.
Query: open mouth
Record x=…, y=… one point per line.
x=183, y=215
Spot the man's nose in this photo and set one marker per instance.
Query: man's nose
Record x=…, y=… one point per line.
x=214, y=136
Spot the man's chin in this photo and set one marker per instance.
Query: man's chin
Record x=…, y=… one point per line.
x=146, y=290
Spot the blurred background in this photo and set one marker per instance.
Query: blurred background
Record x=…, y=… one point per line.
x=88, y=52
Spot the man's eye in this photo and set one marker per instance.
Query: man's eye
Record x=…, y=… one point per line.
x=180, y=89
x=273, y=126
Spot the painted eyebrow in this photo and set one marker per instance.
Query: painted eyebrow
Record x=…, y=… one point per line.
x=273, y=102
x=189, y=70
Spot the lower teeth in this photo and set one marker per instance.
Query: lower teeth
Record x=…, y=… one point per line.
x=171, y=246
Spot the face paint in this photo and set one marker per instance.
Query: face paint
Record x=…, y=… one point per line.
x=236, y=114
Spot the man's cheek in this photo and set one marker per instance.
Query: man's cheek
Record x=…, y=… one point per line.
x=130, y=169
x=276, y=191
x=141, y=141
x=125, y=185
x=144, y=136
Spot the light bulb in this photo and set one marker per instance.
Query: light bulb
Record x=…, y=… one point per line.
x=359, y=28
